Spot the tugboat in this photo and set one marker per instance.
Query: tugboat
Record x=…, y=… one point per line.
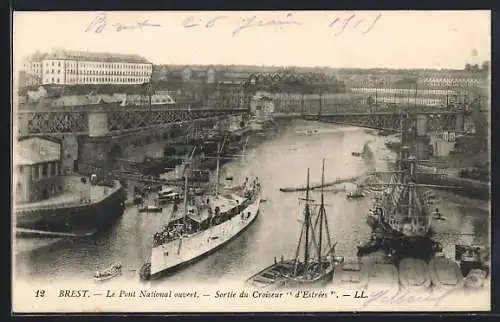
x=108, y=273
x=204, y=224
x=316, y=268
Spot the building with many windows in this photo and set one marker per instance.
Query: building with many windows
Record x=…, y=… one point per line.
x=78, y=67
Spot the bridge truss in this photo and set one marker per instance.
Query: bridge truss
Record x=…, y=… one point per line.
x=119, y=119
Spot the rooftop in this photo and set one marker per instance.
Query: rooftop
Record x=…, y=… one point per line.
x=36, y=150
x=89, y=56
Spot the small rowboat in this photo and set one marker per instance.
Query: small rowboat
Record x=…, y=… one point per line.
x=445, y=273
x=170, y=197
x=108, y=273
x=382, y=276
x=150, y=208
x=414, y=274
x=355, y=195
x=145, y=272
x=351, y=275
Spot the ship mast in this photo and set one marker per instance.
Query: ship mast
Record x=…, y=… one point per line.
x=307, y=215
x=321, y=211
x=187, y=171
x=217, y=171
x=411, y=191
x=186, y=175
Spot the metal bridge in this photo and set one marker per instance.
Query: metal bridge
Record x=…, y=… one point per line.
x=113, y=119
x=435, y=120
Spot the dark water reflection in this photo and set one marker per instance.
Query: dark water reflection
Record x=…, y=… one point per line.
x=278, y=162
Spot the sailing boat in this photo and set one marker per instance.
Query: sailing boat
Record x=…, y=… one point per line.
x=205, y=223
x=316, y=268
x=402, y=219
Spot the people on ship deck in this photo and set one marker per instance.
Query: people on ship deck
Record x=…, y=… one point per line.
x=170, y=231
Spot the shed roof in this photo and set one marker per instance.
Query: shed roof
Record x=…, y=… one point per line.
x=37, y=150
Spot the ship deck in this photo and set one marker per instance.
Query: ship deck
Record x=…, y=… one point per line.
x=72, y=194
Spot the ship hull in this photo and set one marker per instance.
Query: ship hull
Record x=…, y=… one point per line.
x=267, y=278
x=80, y=220
x=172, y=256
x=399, y=244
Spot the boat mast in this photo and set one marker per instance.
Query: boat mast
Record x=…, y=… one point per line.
x=411, y=193
x=321, y=211
x=217, y=170
x=186, y=175
x=306, y=219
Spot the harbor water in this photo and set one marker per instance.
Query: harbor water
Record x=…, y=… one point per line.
x=280, y=160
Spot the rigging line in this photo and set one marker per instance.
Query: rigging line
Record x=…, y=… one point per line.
x=327, y=229
x=313, y=236
x=317, y=219
x=298, y=250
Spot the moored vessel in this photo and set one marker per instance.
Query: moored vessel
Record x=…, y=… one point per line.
x=318, y=263
x=402, y=217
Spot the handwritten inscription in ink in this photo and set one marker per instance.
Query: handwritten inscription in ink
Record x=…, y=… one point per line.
x=99, y=24
x=338, y=24
x=353, y=22
x=253, y=22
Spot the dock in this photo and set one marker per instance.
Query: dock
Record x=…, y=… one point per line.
x=317, y=186
x=75, y=193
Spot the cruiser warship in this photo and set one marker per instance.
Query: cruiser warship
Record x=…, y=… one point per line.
x=204, y=224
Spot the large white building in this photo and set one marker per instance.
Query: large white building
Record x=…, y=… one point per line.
x=77, y=67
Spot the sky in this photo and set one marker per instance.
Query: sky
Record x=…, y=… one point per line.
x=338, y=39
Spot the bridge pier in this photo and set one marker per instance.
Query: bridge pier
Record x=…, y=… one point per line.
x=422, y=138
x=460, y=123
x=69, y=143
x=93, y=150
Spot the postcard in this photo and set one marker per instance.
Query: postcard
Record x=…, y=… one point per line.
x=271, y=161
